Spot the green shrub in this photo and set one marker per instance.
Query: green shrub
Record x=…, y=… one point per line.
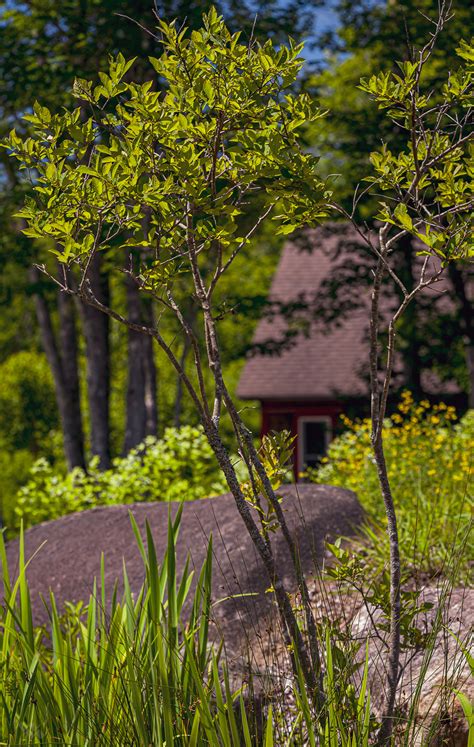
x=430, y=463
x=15, y=469
x=179, y=466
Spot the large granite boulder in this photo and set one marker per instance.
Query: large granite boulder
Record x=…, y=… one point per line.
x=70, y=558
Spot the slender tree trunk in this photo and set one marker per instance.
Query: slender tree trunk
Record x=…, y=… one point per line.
x=395, y=598
x=141, y=399
x=378, y=405
x=70, y=364
x=136, y=415
x=211, y=426
x=290, y=628
x=151, y=394
x=64, y=367
x=96, y=333
x=178, y=401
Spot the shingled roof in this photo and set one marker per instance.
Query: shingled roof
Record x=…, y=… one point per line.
x=330, y=361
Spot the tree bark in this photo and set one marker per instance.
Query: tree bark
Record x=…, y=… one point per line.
x=291, y=631
x=64, y=367
x=136, y=415
x=96, y=333
x=393, y=667
x=151, y=394
x=378, y=408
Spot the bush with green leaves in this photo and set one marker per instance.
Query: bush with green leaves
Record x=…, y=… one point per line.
x=430, y=463
x=180, y=466
x=27, y=401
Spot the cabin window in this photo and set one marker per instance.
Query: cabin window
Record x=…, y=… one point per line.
x=314, y=434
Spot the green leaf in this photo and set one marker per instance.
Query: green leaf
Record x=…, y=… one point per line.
x=287, y=228
x=401, y=214
x=469, y=714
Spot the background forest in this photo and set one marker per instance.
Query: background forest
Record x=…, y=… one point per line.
x=78, y=390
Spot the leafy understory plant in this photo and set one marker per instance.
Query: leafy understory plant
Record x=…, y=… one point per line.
x=167, y=177
x=179, y=466
x=429, y=455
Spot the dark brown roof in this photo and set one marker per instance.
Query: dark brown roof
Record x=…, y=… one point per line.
x=331, y=361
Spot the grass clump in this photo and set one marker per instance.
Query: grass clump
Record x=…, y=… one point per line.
x=128, y=672
x=142, y=671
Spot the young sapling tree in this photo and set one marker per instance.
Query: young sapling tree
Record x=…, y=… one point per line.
x=426, y=192
x=178, y=174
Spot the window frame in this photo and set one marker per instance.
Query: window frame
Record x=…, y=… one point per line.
x=302, y=419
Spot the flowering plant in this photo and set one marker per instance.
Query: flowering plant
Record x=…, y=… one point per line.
x=429, y=455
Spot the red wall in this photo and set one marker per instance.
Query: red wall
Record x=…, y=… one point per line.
x=298, y=409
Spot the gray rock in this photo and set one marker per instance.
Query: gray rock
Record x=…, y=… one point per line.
x=439, y=718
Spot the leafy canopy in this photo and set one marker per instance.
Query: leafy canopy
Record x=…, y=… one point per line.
x=371, y=38
x=172, y=171
x=146, y=163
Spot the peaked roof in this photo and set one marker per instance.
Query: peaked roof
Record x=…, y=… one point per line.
x=330, y=361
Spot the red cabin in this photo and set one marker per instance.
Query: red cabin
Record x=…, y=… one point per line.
x=318, y=371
